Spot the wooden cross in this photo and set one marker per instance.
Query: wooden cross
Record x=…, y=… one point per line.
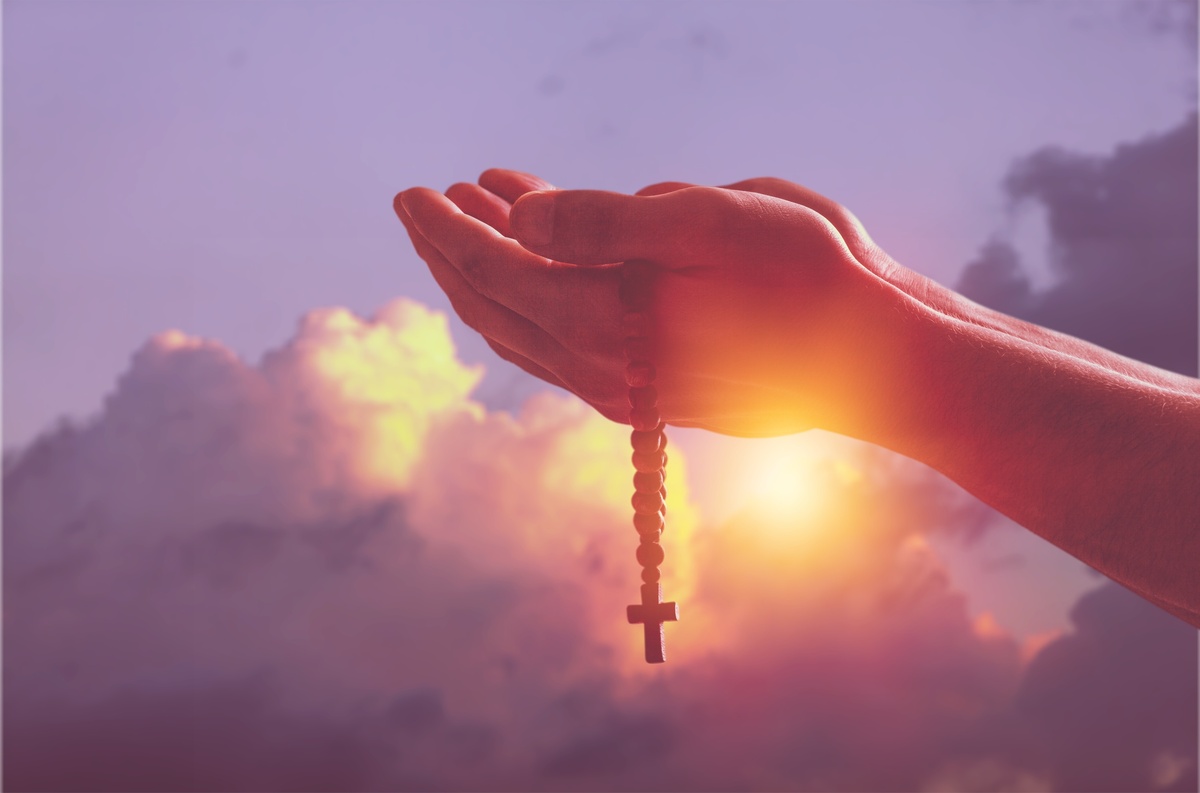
x=652, y=613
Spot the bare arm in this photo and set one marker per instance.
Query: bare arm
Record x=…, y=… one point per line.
x=1102, y=464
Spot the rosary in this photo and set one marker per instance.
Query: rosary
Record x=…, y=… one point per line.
x=649, y=440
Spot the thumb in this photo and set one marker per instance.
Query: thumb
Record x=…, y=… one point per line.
x=596, y=226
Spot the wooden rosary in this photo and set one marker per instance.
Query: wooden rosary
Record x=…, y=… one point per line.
x=649, y=440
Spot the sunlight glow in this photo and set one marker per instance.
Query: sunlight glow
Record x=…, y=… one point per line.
x=790, y=482
x=782, y=487
x=796, y=502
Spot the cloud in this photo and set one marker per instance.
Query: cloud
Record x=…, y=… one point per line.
x=335, y=570
x=1176, y=18
x=1068, y=710
x=339, y=524
x=1123, y=248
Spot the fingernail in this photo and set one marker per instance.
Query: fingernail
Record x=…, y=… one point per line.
x=533, y=218
x=404, y=201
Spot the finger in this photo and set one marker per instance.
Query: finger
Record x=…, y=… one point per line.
x=599, y=227
x=481, y=204
x=511, y=185
x=663, y=187
x=421, y=245
x=570, y=303
x=496, y=322
x=529, y=366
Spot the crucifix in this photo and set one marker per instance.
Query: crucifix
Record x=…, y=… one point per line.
x=649, y=441
x=652, y=613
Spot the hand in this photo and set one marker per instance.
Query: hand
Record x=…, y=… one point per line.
x=491, y=201
x=770, y=322
x=766, y=322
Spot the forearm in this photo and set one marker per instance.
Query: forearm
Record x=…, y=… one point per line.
x=955, y=306
x=1098, y=462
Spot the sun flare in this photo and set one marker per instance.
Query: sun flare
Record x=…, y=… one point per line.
x=786, y=482
x=782, y=488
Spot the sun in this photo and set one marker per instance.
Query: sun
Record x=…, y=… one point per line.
x=781, y=480
x=780, y=485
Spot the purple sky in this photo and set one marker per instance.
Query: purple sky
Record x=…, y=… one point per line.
x=222, y=168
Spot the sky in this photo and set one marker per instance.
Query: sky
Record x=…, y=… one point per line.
x=299, y=502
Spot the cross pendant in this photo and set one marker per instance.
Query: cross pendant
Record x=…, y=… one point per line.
x=652, y=613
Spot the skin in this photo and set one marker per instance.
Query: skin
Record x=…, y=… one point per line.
x=774, y=313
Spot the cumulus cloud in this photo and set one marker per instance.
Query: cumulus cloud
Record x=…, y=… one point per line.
x=335, y=570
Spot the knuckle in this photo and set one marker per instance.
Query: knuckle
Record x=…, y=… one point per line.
x=593, y=225
x=460, y=193
x=702, y=208
x=764, y=184
x=760, y=184
x=724, y=216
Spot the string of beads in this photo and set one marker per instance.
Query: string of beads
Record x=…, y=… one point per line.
x=649, y=441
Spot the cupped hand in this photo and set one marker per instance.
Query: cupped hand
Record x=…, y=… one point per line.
x=766, y=322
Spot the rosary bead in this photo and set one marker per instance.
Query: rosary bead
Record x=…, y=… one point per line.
x=648, y=482
x=644, y=397
x=647, y=503
x=638, y=270
x=635, y=323
x=636, y=348
x=648, y=524
x=647, y=440
x=644, y=419
x=639, y=374
x=634, y=294
x=637, y=281
x=649, y=461
x=650, y=554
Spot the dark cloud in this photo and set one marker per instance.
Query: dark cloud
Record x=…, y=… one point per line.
x=1124, y=679
x=1123, y=234
x=619, y=744
x=1176, y=18
x=191, y=735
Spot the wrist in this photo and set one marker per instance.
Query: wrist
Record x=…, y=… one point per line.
x=886, y=385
